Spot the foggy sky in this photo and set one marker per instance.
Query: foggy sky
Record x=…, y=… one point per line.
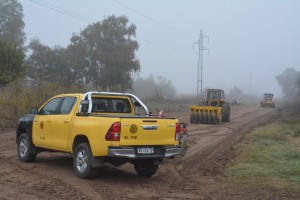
x=250, y=41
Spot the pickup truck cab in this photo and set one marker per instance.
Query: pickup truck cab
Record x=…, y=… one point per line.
x=98, y=128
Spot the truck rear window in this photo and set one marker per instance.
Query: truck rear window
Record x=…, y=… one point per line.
x=110, y=105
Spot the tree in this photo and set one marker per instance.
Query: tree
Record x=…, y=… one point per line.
x=158, y=88
x=108, y=53
x=11, y=62
x=11, y=22
x=288, y=82
x=144, y=87
x=235, y=92
x=52, y=65
x=164, y=88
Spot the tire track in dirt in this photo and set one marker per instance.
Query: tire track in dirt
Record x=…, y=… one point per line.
x=33, y=182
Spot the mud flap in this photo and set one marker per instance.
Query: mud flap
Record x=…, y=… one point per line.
x=97, y=161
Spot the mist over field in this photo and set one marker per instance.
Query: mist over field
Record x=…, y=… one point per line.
x=249, y=42
x=154, y=49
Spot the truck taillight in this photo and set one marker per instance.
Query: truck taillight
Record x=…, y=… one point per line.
x=113, y=134
x=177, y=132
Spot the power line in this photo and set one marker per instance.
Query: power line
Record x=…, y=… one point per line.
x=63, y=11
x=152, y=19
x=167, y=45
x=89, y=20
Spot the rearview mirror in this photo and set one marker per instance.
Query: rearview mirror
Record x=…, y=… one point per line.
x=33, y=111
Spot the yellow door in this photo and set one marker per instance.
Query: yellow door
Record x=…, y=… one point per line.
x=60, y=131
x=61, y=123
x=43, y=123
x=42, y=130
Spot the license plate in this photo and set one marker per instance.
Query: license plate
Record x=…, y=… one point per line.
x=145, y=150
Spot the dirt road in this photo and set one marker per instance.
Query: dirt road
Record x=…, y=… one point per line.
x=190, y=177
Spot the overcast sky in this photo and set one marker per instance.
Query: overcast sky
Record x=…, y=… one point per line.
x=250, y=41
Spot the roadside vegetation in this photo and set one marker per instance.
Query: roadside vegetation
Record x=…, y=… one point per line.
x=267, y=165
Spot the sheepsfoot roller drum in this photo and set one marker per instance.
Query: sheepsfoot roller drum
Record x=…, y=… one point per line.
x=212, y=110
x=205, y=114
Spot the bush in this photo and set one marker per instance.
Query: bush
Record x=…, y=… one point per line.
x=17, y=98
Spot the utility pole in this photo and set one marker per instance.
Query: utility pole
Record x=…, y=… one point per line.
x=200, y=62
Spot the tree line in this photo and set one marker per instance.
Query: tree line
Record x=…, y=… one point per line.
x=100, y=57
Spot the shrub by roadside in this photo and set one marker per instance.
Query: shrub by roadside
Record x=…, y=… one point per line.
x=17, y=98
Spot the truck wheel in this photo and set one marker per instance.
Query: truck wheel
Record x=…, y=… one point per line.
x=82, y=161
x=145, y=168
x=25, y=148
x=183, y=145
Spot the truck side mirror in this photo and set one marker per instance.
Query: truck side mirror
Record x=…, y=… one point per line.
x=33, y=111
x=84, y=105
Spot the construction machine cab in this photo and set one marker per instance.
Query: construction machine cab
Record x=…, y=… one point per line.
x=268, y=96
x=214, y=97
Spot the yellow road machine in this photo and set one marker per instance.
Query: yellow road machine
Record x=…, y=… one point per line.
x=212, y=110
x=267, y=100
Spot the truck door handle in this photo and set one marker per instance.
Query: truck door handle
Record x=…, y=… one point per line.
x=66, y=121
x=48, y=121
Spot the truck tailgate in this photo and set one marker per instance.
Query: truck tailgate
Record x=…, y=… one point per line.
x=147, y=131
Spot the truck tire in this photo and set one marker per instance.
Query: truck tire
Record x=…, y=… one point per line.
x=82, y=161
x=225, y=112
x=145, y=168
x=25, y=149
x=183, y=145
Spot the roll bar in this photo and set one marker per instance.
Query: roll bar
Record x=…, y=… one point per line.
x=88, y=95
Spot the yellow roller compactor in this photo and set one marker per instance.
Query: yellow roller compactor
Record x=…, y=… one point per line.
x=212, y=110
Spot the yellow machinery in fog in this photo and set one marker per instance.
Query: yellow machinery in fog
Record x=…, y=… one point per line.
x=212, y=110
x=267, y=100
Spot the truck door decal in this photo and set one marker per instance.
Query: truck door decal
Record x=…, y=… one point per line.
x=133, y=128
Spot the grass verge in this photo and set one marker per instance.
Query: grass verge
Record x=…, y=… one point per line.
x=267, y=165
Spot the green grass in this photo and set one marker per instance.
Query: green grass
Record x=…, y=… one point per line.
x=267, y=165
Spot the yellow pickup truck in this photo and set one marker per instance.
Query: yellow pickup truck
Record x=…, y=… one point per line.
x=98, y=128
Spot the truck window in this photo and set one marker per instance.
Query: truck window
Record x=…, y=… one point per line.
x=111, y=105
x=51, y=107
x=67, y=105
x=138, y=109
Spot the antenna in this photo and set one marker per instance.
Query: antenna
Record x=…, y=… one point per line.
x=200, y=62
